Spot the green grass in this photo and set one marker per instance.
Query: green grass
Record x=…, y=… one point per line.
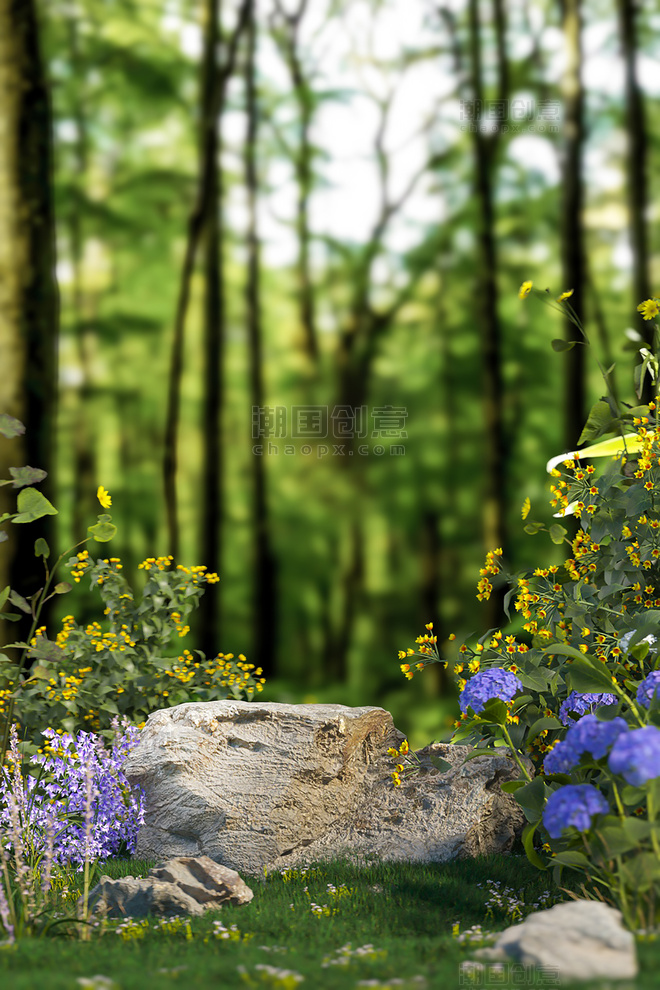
x=409, y=922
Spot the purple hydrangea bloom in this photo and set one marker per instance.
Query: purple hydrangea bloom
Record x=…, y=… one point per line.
x=648, y=687
x=581, y=703
x=574, y=804
x=636, y=755
x=487, y=684
x=588, y=735
x=560, y=759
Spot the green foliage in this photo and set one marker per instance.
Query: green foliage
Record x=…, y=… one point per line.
x=86, y=676
x=591, y=626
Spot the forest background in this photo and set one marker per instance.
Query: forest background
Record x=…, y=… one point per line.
x=232, y=234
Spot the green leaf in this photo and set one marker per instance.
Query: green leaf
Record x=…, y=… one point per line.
x=573, y=858
x=103, y=530
x=531, y=798
x=557, y=534
x=41, y=673
x=4, y=595
x=62, y=587
x=547, y=722
x=442, y=765
x=637, y=828
x=535, y=680
x=511, y=786
x=563, y=650
x=10, y=427
x=599, y=421
x=26, y=476
x=528, y=844
x=19, y=602
x=480, y=751
x=32, y=505
x=560, y=345
x=495, y=711
x=533, y=528
x=41, y=548
x=586, y=679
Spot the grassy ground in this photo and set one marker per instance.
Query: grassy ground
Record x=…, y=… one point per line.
x=327, y=928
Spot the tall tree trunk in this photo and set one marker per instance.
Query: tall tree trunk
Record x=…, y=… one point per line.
x=84, y=472
x=572, y=225
x=287, y=33
x=28, y=289
x=265, y=587
x=637, y=138
x=210, y=549
x=496, y=451
x=196, y=222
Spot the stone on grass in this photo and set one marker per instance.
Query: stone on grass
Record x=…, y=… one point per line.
x=578, y=940
x=182, y=886
x=256, y=785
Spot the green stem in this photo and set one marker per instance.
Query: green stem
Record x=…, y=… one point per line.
x=514, y=753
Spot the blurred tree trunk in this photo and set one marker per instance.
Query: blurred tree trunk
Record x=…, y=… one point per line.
x=210, y=546
x=264, y=562
x=84, y=472
x=28, y=289
x=285, y=30
x=484, y=144
x=637, y=138
x=207, y=182
x=572, y=221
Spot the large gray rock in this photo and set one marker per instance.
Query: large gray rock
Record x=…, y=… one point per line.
x=578, y=940
x=265, y=784
x=185, y=885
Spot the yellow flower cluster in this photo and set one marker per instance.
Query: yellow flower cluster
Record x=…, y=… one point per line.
x=109, y=640
x=66, y=688
x=491, y=567
x=403, y=750
x=186, y=668
x=159, y=562
x=68, y=624
x=178, y=624
x=427, y=648
x=83, y=563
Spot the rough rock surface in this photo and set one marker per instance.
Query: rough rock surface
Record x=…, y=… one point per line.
x=266, y=784
x=185, y=885
x=579, y=940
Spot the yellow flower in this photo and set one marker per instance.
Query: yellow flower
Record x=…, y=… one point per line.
x=524, y=290
x=565, y=295
x=103, y=497
x=649, y=308
x=526, y=506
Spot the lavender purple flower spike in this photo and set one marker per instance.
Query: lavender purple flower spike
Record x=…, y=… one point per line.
x=117, y=808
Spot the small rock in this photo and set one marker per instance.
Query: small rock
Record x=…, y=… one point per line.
x=185, y=885
x=579, y=940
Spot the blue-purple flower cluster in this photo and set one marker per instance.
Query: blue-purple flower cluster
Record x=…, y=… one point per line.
x=587, y=735
x=636, y=755
x=648, y=688
x=493, y=683
x=67, y=769
x=575, y=805
x=581, y=703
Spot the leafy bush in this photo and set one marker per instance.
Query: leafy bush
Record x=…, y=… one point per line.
x=576, y=692
x=86, y=677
